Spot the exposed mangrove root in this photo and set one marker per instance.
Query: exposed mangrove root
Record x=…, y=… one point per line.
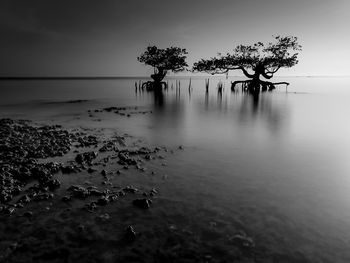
x=152, y=85
x=256, y=85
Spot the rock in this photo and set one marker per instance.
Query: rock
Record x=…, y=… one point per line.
x=142, y=203
x=79, y=191
x=9, y=210
x=130, y=189
x=52, y=184
x=95, y=192
x=24, y=199
x=104, y=173
x=86, y=158
x=87, y=141
x=242, y=241
x=153, y=192
x=91, y=207
x=148, y=157
x=124, y=158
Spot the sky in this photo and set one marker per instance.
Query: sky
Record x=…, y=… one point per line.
x=104, y=38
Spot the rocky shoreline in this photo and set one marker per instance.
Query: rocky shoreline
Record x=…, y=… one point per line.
x=57, y=187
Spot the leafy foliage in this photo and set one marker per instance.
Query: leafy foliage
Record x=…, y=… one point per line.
x=172, y=58
x=263, y=59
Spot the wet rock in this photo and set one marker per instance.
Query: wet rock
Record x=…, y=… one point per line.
x=24, y=199
x=95, y=192
x=142, y=203
x=86, y=158
x=130, y=189
x=91, y=207
x=242, y=241
x=52, y=184
x=148, y=157
x=9, y=210
x=153, y=192
x=108, y=146
x=79, y=191
x=87, y=141
x=124, y=158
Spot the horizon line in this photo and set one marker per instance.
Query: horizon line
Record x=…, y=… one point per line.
x=131, y=77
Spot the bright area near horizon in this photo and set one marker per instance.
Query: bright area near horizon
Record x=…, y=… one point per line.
x=90, y=38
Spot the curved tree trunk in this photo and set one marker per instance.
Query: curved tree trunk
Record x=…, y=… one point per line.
x=159, y=75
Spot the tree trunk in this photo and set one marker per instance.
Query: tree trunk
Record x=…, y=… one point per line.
x=255, y=83
x=159, y=75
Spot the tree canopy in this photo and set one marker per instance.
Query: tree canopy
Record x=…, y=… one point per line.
x=262, y=59
x=172, y=58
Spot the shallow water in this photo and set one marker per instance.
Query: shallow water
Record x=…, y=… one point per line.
x=276, y=166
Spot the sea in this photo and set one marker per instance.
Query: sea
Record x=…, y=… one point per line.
x=275, y=165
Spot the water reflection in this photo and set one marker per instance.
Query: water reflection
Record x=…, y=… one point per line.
x=210, y=114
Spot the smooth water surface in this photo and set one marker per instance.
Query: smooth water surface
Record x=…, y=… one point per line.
x=277, y=164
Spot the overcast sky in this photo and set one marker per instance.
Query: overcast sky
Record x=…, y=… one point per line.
x=104, y=38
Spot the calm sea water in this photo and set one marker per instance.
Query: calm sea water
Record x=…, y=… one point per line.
x=277, y=165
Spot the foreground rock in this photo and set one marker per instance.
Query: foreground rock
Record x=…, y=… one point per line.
x=21, y=145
